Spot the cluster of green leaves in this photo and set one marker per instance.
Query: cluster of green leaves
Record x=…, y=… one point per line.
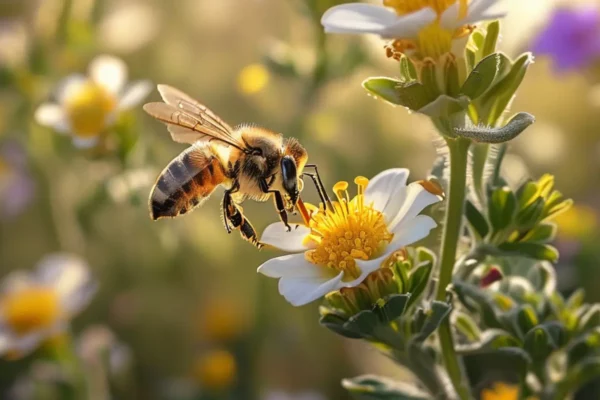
x=517, y=221
x=443, y=92
x=388, y=309
x=520, y=329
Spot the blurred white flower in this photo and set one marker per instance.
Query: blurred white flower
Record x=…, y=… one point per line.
x=115, y=32
x=345, y=243
x=87, y=105
x=425, y=26
x=17, y=188
x=36, y=306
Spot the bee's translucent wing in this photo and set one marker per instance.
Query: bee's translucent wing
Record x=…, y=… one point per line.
x=188, y=120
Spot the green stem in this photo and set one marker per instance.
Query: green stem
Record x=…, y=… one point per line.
x=459, y=151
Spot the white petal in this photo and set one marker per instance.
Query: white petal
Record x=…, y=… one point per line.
x=15, y=281
x=85, y=143
x=296, y=240
x=301, y=291
x=409, y=26
x=68, y=86
x=479, y=10
x=70, y=277
x=24, y=345
x=134, y=94
x=292, y=266
x=358, y=18
x=411, y=231
x=110, y=72
x=417, y=198
x=53, y=116
x=380, y=190
x=406, y=234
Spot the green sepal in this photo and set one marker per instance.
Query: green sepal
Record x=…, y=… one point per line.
x=542, y=340
x=451, y=77
x=337, y=324
x=532, y=250
x=471, y=295
x=477, y=222
x=444, y=106
x=491, y=38
x=372, y=387
x=582, y=347
x=393, y=307
x=531, y=215
x=502, y=205
x=408, y=71
x=429, y=79
x=590, y=319
x=577, y=376
x=481, y=77
x=417, y=281
x=412, y=95
x=467, y=326
x=502, y=365
x=495, y=101
x=542, y=233
x=435, y=316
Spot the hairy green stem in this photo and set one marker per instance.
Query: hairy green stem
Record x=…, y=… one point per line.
x=459, y=152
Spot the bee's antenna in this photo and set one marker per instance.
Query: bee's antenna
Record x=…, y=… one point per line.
x=319, y=185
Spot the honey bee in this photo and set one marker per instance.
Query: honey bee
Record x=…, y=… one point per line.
x=248, y=161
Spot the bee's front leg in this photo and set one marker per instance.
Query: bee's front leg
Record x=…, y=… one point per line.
x=279, y=203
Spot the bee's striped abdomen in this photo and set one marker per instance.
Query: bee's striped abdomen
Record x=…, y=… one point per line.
x=186, y=182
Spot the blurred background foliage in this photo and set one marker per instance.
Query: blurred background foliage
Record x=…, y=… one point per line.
x=181, y=296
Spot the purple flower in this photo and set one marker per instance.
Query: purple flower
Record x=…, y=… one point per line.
x=571, y=38
x=16, y=185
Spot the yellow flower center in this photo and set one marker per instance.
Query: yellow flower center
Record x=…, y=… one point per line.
x=216, y=370
x=30, y=309
x=88, y=108
x=347, y=231
x=433, y=41
x=501, y=391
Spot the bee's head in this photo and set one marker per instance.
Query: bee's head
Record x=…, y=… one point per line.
x=289, y=177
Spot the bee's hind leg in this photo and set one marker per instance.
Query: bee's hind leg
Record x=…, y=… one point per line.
x=234, y=215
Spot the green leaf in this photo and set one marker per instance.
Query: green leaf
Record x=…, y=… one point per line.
x=493, y=135
x=477, y=222
x=372, y=387
x=502, y=205
x=531, y=215
x=481, y=78
x=532, y=250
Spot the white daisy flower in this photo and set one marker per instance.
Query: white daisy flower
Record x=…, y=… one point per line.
x=37, y=306
x=342, y=245
x=426, y=27
x=88, y=105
